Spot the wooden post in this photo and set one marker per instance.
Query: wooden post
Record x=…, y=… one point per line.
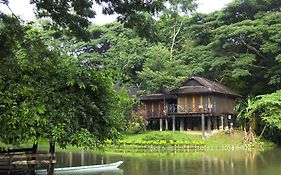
x=203, y=126
x=181, y=124
x=174, y=123
x=221, y=126
x=152, y=109
x=52, y=157
x=215, y=123
x=226, y=123
x=34, y=151
x=185, y=105
x=193, y=104
x=174, y=118
x=189, y=123
x=166, y=124
x=82, y=158
x=209, y=123
x=161, y=124
x=159, y=110
x=34, y=148
x=145, y=111
x=70, y=159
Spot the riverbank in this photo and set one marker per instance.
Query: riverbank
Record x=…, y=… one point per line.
x=182, y=141
x=151, y=141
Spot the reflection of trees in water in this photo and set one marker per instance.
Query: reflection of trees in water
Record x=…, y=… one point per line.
x=199, y=163
x=69, y=159
x=230, y=163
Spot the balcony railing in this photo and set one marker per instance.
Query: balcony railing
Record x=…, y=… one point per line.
x=173, y=109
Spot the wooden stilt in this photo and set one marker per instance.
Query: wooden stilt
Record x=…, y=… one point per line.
x=161, y=124
x=226, y=123
x=203, y=126
x=31, y=167
x=52, y=157
x=221, y=123
x=182, y=124
x=167, y=125
x=209, y=123
x=174, y=123
x=215, y=123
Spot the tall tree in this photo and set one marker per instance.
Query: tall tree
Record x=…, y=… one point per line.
x=50, y=92
x=242, y=50
x=75, y=14
x=160, y=71
x=45, y=93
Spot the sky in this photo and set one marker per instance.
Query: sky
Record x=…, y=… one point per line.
x=25, y=10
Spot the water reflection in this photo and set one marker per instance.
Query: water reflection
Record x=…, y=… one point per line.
x=195, y=163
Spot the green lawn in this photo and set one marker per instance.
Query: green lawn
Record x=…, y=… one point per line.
x=178, y=136
x=217, y=139
x=168, y=139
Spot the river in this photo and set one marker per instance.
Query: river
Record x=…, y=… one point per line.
x=183, y=163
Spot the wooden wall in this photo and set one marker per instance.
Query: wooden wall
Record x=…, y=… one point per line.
x=223, y=104
x=211, y=103
x=190, y=103
x=152, y=108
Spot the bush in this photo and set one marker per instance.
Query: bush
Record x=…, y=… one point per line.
x=136, y=124
x=160, y=136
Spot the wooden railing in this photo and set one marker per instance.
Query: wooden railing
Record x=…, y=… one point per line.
x=22, y=160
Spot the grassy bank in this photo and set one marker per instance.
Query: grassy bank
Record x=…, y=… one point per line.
x=151, y=141
x=168, y=140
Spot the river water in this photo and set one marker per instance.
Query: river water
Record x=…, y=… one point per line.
x=252, y=162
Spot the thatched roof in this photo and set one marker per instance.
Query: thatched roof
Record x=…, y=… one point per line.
x=196, y=85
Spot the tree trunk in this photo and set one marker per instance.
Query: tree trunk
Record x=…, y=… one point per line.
x=52, y=157
x=262, y=131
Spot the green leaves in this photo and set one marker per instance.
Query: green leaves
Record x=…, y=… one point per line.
x=47, y=94
x=241, y=43
x=159, y=71
x=268, y=107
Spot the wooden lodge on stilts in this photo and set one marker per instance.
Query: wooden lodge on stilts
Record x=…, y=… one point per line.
x=199, y=104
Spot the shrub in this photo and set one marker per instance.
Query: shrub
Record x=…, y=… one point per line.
x=136, y=124
x=160, y=136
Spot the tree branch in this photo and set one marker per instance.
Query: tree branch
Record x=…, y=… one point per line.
x=175, y=33
x=253, y=49
x=13, y=14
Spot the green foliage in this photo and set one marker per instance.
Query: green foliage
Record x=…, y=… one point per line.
x=238, y=44
x=47, y=94
x=136, y=124
x=75, y=14
x=160, y=71
x=53, y=85
x=180, y=140
x=268, y=107
x=263, y=114
x=168, y=137
x=111, y=47
x=156, y=143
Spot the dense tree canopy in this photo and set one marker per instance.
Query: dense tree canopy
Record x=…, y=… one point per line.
x=56, y=86
x=75, y=14
x=240, y=46
x=45, y=93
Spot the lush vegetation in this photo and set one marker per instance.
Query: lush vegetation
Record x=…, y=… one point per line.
x=167, y=140
x=59, y=76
